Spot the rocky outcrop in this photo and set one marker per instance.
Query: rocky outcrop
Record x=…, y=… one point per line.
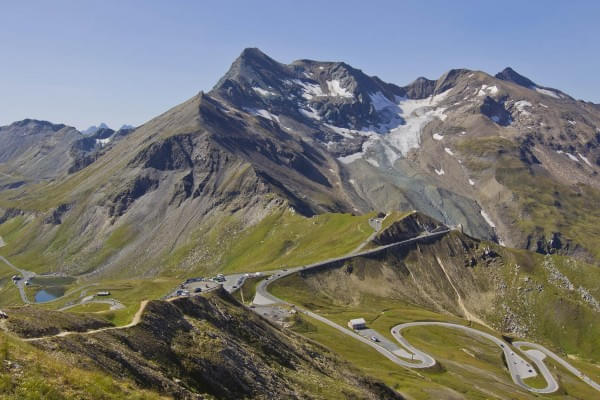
x=10, y=213
x=55, y=218
x=173, y=153
x=31, y=322
x=495, y=111
x=510, y=75
x=408, y=227
x=135, y=189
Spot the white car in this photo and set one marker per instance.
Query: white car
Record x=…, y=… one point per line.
x=374, y=338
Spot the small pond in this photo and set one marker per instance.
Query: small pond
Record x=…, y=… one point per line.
x=47, y=294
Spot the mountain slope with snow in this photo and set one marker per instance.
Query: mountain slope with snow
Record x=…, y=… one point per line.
x=495, y=155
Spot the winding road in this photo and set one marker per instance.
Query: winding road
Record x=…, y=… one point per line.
x=519, y=369
x=263, y=297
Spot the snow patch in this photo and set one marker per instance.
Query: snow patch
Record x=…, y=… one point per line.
x=263, y=113
x=547, y=92
x=543, y=105
x=521, y=104
x=416, y=115
x=447, y=150
x=471, y=182
x=572, y=122
x=103, y=142
x=263, y=92
x=572, y=157
x=402, y=133
x=309, y=89
x=585, y=159
x=487, y=219
x=335, y=89
x=491, y=90
x=310, y=113
x=347, y=133
x=372, y=162
x=437, y=136
x=440, y=171
x=351, y=158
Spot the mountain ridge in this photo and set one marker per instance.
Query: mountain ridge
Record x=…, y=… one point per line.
x=325, y=137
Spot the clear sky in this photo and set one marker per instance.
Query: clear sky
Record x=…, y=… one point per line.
x=82, y=62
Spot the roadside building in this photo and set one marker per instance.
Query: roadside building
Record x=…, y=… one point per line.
x=358, y=323
x=103, y=293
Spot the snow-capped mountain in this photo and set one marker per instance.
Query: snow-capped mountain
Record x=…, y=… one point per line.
x=501, y=156
x=93, y=129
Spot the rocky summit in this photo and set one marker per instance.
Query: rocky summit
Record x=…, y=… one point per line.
x=265, y=215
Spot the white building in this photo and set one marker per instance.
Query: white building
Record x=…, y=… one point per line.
x=358, y=323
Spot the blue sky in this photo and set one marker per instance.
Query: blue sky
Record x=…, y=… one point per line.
x=82, y=62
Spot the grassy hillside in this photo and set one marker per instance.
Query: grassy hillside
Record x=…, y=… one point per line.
x=532, y=202
x=192, y=346
x=518, y=292
x=29, y=373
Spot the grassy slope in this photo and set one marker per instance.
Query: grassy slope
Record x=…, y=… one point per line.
x=383, y=313
x=28, y=373
x=286, y=239
x=540, y=203
x=281, y=239
x=247, y=290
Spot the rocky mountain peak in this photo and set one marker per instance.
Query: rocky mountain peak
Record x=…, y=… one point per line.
x=510, y=75
x=252, y=68
x=93, y=129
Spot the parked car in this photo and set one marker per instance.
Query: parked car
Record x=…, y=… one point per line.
x=374, y=338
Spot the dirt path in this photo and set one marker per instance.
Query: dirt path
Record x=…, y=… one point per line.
x=136, y=320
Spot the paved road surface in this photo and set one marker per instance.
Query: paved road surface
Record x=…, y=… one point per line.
x=263, y=297
x=566, y=365
x=519, y=368
x=26, y=275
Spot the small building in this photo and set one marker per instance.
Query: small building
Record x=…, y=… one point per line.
x=103, y=293
x=358, y=323
x=3, y=315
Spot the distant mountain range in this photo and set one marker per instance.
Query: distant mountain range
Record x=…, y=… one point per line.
x=503, y=157
x=93, y=129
